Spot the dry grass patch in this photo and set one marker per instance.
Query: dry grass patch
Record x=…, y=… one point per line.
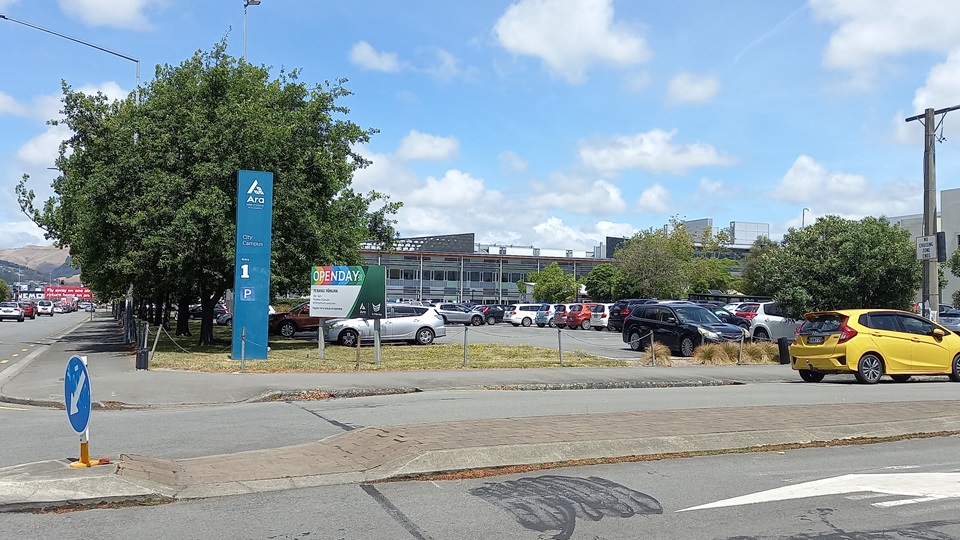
x=724, y=354
x=660, y=352
x=299, y=356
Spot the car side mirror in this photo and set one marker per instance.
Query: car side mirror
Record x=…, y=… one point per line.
x=937, y=333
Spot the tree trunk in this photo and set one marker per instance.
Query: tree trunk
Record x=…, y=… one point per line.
x=208, y=299
x=166, y=313
x=183, y=316
x=158, y=310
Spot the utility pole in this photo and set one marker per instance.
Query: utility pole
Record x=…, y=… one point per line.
x=930, y=295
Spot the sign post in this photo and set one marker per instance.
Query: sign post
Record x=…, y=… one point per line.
x=251, y=279
x=76, y=394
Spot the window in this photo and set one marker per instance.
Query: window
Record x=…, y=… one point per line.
x=880, y=321
x=393, y=273
x=453, y=275
x=648, y=313
x=488, y=277
x=773, y=309
x=438, y=275
x=411, y=274
x=474, y=276
x=915, y=325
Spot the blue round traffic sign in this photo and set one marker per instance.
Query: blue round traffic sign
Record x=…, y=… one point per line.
x=76, y=394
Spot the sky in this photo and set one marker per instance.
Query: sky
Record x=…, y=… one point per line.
x=552, y=123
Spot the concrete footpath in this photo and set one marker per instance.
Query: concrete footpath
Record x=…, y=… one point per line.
x=376, y=453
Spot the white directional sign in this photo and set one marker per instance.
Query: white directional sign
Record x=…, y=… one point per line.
x=927, y=248
x=903, y=488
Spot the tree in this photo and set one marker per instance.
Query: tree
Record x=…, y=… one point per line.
x=602, y=282
x=655, y=263
x=759, y=267
x=838, y=263
x=147, y=190
x=4, y=290
x=711, y=265
x=553, y=285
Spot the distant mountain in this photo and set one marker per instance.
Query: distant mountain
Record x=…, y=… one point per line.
x=41, y=264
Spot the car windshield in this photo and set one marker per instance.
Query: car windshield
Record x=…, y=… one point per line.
x=825, y=323
x=696, y=314
x=7, y=304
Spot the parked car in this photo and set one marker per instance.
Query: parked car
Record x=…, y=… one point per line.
x=682, y=327
x=622, y=308
x=29, y=309
x=747, y=310
x=288, y=323
x=578, y=316
x=730, y=318
x=871, y=343
x=521, y=314
x=459, y=314
x=600, y=316
x=57, y=308
x=560, y=315
x=11, y=310
x=226, y=318
x=196, y=311
x=90, y=308
x=545, y=314
x=45, y=307
x=769, y=322
x=492, y=313
x=415, y=324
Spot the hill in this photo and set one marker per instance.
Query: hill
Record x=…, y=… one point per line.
x=40, y=264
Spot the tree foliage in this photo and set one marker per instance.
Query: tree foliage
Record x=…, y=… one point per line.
x=147, y=190
x=835, y=264
x=603, y=282
x=552, y=284
x=5, y=291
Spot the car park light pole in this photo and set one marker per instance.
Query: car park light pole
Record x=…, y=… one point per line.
x=245, y=4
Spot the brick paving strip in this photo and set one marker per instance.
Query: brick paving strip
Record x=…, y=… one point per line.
x=375, y=453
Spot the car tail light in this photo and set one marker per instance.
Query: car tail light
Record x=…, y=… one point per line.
x=846, y=332
x=624, y=311
x=604, y=316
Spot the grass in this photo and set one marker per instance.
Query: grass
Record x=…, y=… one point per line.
x=299, y=356
x=724, y=354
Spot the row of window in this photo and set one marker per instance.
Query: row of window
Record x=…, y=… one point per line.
x=453, y=275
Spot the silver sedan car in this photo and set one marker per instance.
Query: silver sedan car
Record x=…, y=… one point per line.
x=415, y=324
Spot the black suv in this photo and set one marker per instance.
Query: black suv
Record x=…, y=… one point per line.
x=682, y=327
x=621, y=308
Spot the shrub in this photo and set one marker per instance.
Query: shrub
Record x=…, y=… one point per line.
x=713, y=354
x=662, y=354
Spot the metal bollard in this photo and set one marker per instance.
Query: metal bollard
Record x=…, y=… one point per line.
x=465, y=361
x=740, y=357
x=560, y=344
x=243, y=346
x=653, y=351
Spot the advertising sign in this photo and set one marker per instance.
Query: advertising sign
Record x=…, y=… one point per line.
x=251, y=279
x=348, y=291
x=56, y=292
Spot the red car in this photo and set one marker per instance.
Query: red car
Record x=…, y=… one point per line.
x=29, y=310
x=747, y=311
x=578, y=316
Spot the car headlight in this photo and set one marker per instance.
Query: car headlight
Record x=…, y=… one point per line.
x=709, y=334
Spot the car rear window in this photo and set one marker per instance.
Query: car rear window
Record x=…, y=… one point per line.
x=826, y=323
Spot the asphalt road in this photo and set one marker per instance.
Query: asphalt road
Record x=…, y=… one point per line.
x=19, y=339
x=901, y=490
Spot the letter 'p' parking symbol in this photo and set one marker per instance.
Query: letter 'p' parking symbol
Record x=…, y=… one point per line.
x=246, y=294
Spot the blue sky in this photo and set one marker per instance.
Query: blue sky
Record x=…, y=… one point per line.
x=552, y=123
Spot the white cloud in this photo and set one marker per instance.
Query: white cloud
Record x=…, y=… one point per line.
x=42, y=150
x=653, y=151
x=115, y=13
x=692, y=88
x=809, y=183
x=867, y=35
x=423, y=146
x=21, y=233
x=512, y=163
x=578, y=196
x=365, y=56
x=654, y=199
x=710, y=187
x=569, y=36
x=4, y=4
x=385, y=174
x=942, y=87
x=9, y=105
x=448, y=67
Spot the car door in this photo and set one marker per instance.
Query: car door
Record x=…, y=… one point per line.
x=393, y=327
x=668, y=328
x=893, y=343
x=929, y=353
x=780, y=325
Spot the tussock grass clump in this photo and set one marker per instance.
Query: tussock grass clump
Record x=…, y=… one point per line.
x=662, y=355
x=761, y=352
x=724, y=354
x=712, y=354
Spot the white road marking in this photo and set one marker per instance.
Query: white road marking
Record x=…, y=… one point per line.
x=915, y=485
x=901, y=502
x=861, y=496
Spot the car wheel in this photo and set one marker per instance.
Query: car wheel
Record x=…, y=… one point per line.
x=230, y=321
x=900, y=378
x=288, y=329
x=526, y=322
x=477, y=320
x=540, y=324
x=491, y=320
x=955, y=372
x=636, y=342
x=686, y=346
x=869, y=369
x=811, y=376
x=424, y=336
x=515, y=324
x=559, y=325
x=585, y=324
x=552, y=324
x=761, y=335
x=348, y=338
x=598, y=328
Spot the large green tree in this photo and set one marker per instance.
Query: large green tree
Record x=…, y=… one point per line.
x=552, y=284
x=603, y=282
x=838, y=263
x=4, y=290
x=656, y=262
x=147, y=190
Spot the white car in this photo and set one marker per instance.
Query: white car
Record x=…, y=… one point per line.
x=600, y=316
x=521, y=314
x=11, y=310
x=415, y=324
x=45, y=307
x=771, y=324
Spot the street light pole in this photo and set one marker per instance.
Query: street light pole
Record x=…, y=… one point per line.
x=245, y=4
x=82, y=42
x=803, y=218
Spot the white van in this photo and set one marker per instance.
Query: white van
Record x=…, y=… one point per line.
x=45, y=307
x=521, y=314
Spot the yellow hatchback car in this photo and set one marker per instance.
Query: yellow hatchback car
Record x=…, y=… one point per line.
x=871, y=343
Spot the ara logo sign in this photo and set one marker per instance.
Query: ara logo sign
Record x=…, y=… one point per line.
x=255, y=196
